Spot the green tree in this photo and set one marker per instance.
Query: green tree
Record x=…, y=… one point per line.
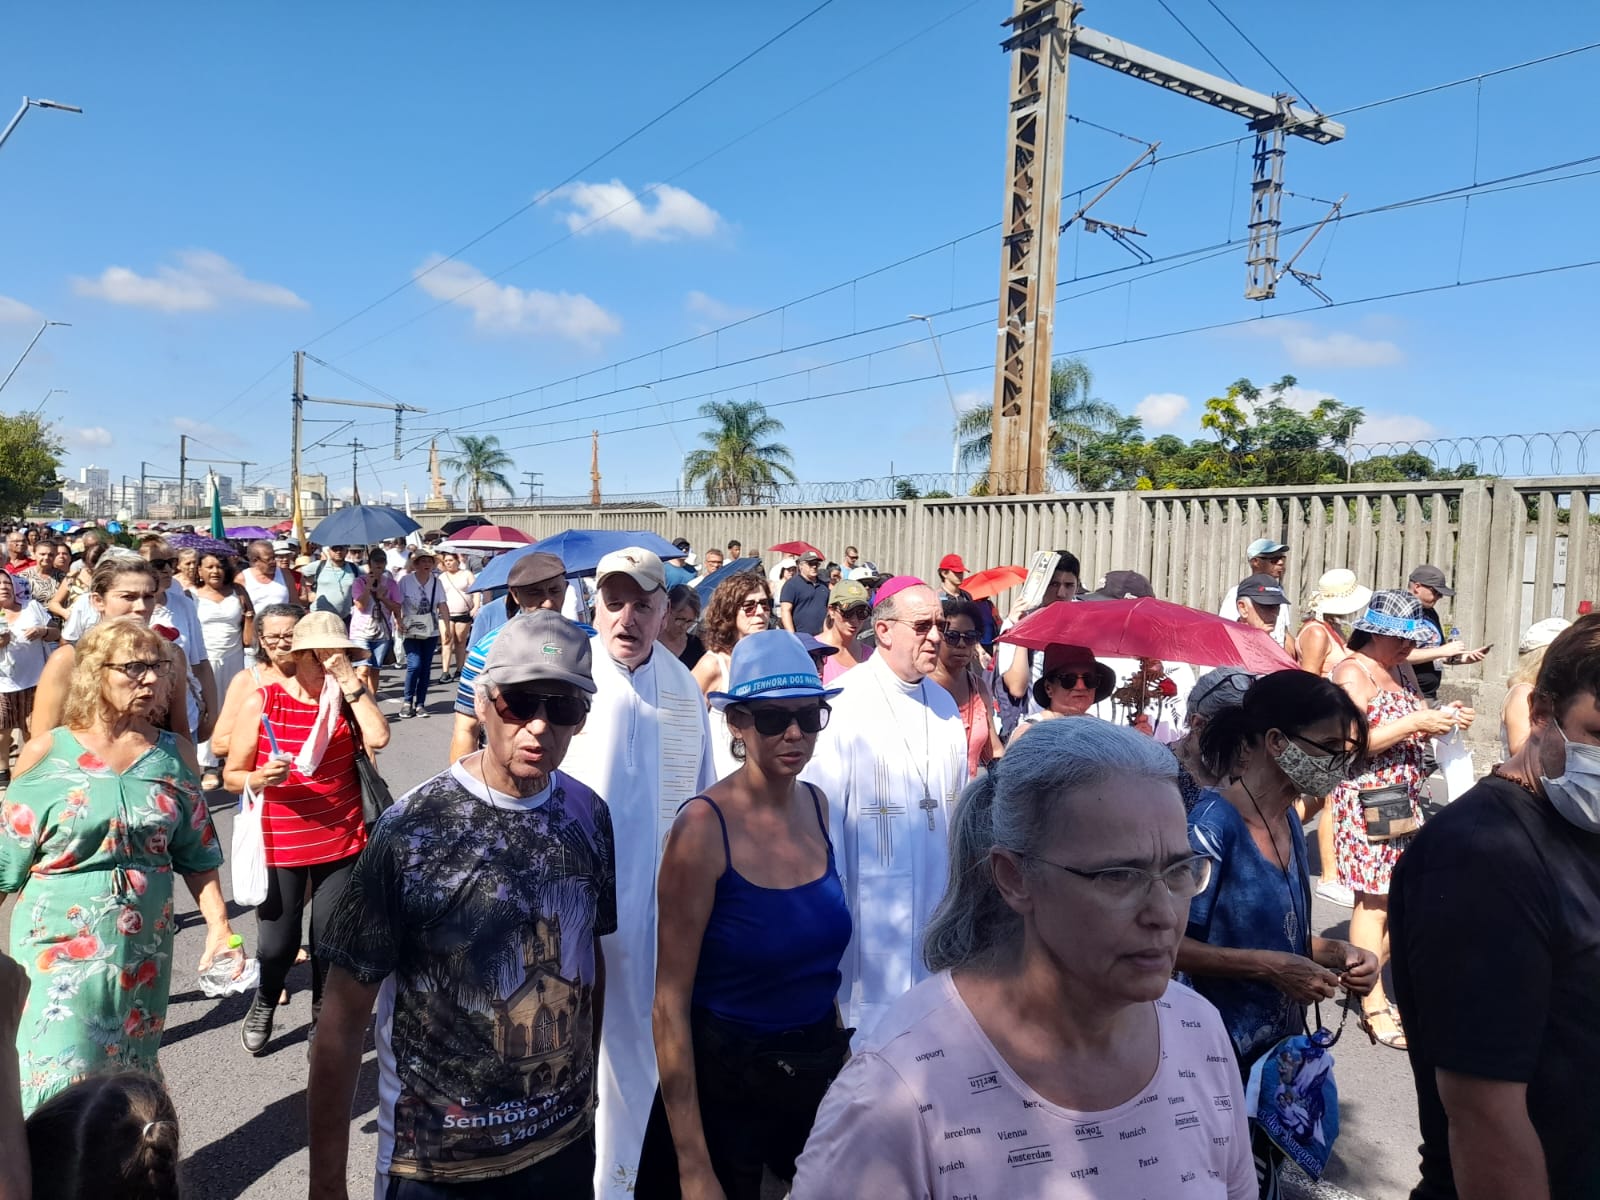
x=479, y=462
x=1075, y=419
x=30, y=458
x=740, y=465
x=1257, y=440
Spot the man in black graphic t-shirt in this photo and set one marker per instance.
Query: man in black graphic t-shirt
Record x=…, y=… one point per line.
x=473, y=918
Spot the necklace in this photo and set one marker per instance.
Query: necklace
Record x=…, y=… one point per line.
x=1301, y=922
x=1500, y=774
x=927, y=803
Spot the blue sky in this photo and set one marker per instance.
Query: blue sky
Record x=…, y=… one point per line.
x=246, y=179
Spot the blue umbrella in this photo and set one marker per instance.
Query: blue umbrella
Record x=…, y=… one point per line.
x=65, y=526
x=707, y=587
x=362, y=525
x=580, y=550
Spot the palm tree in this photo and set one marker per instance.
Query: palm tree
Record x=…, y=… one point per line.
x=1075, y=418
x=479, y=461
x=740, y=467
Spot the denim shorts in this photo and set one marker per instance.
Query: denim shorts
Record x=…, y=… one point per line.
x=377, y=651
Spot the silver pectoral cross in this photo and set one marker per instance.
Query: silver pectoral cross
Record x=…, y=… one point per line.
x=928, y=804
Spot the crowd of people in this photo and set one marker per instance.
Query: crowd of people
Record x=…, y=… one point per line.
x=810, y=874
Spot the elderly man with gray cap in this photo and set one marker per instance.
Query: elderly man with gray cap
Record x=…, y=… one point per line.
x=1267, y=556
x=537, y=582
x=646, y=749
x=474, y=918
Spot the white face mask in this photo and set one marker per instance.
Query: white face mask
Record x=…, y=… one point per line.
x=1315, y=775
x=1576, y=792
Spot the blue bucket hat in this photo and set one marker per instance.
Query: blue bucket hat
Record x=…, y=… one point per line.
x=1397, y=614
x=771, y=665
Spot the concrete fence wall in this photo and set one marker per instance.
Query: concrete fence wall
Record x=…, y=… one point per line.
x=1517, y=550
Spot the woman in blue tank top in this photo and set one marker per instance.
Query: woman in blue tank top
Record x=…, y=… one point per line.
x=752, y=923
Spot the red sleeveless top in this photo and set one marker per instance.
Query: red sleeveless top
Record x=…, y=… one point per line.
x=316, y=820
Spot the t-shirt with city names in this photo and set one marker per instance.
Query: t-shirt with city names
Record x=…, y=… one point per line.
x=929, y=1110
x=480, y=914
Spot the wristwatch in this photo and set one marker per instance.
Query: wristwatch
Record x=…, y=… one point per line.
x=352, y=697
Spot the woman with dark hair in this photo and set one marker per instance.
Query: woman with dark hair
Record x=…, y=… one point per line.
x=753, y=854
x=1071, y=682
x=953, y=671
x=849, y=611
x=1376, y=812
x=740, y=606
x=110, y=1137
x=1054, y=1011
x=1248, y=947
x=227, y=623
x=683, y=614
x=1216, y=690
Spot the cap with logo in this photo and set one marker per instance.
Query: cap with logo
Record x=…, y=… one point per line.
x=638, y=564
x=1432, y=577
x=1263, y=589
x=1265, y=548
x=535, y=568
x=771, y=665
x=539, y=647
x=847, y=592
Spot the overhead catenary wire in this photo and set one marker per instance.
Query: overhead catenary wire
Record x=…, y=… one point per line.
x=1195, y=37
x=1262, y=54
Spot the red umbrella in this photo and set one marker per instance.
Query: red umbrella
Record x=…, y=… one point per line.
x=796, y=549
x=283, y=527
x=1151, y=628
x=992, y=582
x=491, y=533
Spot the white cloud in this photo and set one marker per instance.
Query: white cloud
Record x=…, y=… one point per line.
x=1306, y=346
x=15, y=312
x=659, y=214
x=502, y=308
x=1394, y=427
x=206, y=431
x=1161, y=410
x=715, y=311
x=971, y=398
x=92, y=435
x=201, y=281
x=1302, y=399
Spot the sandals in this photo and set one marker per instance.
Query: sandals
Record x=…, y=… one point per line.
x=1395, y=1038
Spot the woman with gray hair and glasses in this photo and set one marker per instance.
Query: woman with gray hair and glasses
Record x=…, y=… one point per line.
x=1053, y=1011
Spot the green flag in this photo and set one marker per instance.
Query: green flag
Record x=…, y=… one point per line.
x=217, y=530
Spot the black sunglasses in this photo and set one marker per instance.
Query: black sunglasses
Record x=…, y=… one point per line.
x=1071, y=679
x=521, y=706
x=961, y=637
x=751, y=607
x=168, y=563
x=856, y=612
x=775, y=722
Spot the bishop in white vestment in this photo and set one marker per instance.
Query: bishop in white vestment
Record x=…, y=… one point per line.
x=644, y=750
x=891, y=762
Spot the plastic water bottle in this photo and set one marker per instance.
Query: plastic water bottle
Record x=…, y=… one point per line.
x=218, y=980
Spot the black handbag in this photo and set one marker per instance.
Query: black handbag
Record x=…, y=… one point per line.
x=1388, y=812
x=376, y=798
x=788, y=1070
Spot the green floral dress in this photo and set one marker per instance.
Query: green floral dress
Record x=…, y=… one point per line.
x=93, y=853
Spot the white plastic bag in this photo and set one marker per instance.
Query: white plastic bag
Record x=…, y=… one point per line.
x=1455, y=763
x=249, y=863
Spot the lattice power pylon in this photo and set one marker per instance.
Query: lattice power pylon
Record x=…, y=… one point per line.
x=1043, y=35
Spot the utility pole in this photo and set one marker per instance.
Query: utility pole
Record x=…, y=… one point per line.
x=300, y=400
x=533, y=479
x=355, y=483
x=1044, y=33
x=23, y=111
x=183, y=463
x=594, y=469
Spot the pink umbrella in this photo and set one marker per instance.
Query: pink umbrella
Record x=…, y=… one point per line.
x=491, y=533
x=1151, y=628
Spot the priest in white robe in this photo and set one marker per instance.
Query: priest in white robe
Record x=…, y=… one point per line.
x=644, y=750
x=891, y=762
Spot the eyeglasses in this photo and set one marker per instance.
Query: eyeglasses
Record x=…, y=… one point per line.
x=140, y=670
x=520, y=706
x=1127, y=887
x=923, y=627
x=1071, y=679
x=751, y=607
x=775, y=722
x=1342, y=756
x=267, y=639
x=961, y=637
x=163, y=564
x=856, y=612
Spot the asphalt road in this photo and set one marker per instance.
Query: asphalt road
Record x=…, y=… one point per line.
x=243, y=1119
